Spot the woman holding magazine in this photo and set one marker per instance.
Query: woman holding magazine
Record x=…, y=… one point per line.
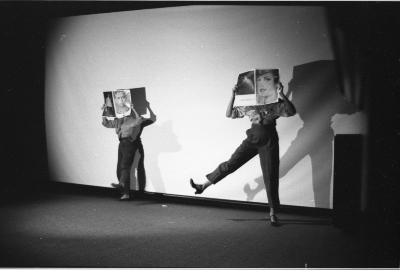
x=128, y=128
x=262, y=138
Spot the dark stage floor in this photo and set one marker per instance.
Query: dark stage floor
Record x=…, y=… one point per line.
x=64, y=229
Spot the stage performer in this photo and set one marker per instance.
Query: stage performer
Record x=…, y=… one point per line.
x=262, y=139
x=128, y=128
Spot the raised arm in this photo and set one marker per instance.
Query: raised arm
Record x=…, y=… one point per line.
x=151, y=119
x=287, y=109
x=141, y=120
x=107, y=122
x=153, y=116
x=229, y=109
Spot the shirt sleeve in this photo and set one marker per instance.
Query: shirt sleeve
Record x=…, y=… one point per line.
x=286, y=108
x=109, y=123
x=238, y=112
x=147, y=122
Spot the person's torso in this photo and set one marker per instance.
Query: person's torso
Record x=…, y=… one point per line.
x=261, y=114
x=127, y=128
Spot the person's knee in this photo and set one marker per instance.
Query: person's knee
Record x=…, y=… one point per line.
x=228, y=167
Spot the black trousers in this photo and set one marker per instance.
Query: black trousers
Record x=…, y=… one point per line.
x=262, y=140
x=126, y=155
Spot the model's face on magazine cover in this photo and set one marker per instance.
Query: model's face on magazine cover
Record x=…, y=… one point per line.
x=266, y=85
x=120, y=98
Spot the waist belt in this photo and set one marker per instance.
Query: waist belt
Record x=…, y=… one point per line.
x=126, y=139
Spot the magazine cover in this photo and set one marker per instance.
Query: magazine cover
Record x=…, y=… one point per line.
x=122, y=102
x=118, y=103
x=109, y=110
x=257, y=87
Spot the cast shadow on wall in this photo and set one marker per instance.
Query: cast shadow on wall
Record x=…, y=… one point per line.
x=317, y=98
x=162, y=140
x=138, y=172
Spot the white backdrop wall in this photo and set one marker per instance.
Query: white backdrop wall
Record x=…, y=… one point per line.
x=188, y=59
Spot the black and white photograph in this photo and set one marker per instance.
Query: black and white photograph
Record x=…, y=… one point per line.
x=257, y=87
x=109, y=109
x=246, y=84
x=186, y=135
x=122, y=102
x=265, y=85
x=245, y=93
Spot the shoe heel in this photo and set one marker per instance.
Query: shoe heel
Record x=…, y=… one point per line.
x=199, y=188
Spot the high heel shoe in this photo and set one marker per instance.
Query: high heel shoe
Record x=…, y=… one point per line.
x=125, y=197
x=116, y=186
x=274, y=220
x=198, y=187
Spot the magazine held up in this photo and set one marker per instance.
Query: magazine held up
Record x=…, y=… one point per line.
x=256, y=87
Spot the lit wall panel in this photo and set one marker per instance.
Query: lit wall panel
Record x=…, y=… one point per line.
x=188, y=59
